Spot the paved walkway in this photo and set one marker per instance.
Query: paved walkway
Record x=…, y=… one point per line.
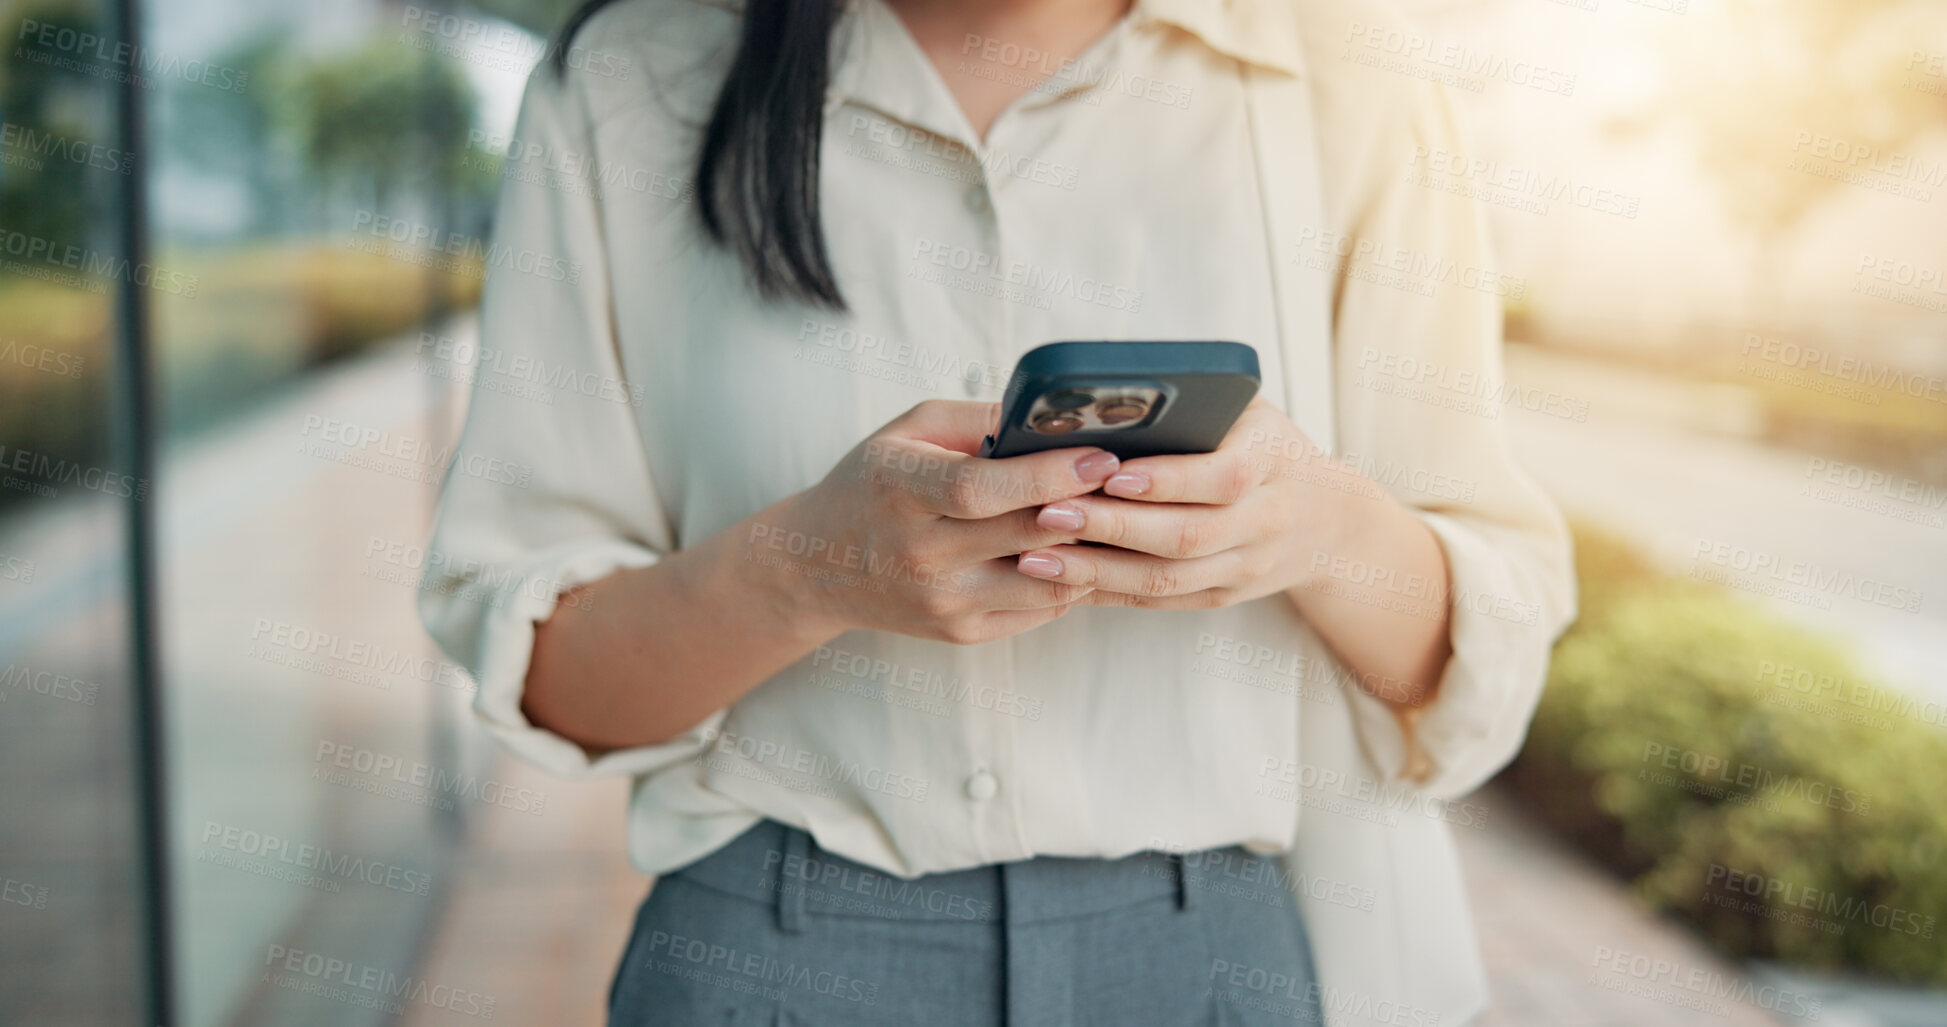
x=538, y=908
x=1559, y=935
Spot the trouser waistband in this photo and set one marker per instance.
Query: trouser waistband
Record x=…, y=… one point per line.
x=773, y=862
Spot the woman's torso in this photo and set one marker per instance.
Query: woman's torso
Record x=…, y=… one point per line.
x=1122, y=200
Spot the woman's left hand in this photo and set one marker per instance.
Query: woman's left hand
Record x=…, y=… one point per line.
x=1207, y=530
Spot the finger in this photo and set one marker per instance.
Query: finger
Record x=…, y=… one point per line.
x=1222, y=477
x=1208, y=599
x=1008, y=534
x=999, y=586
x=970, y=487
x=1119, y=570
x=954, y=424
x=1002, y=623
x=1175, y=530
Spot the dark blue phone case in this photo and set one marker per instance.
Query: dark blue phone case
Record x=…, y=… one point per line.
x=1206, y=385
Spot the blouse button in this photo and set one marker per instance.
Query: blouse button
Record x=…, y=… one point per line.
x=982, y=786
x=977, y=199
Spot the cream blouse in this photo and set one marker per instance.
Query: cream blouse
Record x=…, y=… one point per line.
x=1208, y=170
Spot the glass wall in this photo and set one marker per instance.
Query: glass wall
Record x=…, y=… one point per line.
x=317, y=779
x=74, y=915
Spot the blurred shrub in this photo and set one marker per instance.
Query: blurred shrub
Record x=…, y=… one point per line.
x=268, y=312
x=259, y=317
x=1742, y=773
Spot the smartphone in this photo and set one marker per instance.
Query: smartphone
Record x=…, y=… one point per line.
x=1130, y=398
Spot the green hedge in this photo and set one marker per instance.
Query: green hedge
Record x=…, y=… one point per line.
x=1743, y=774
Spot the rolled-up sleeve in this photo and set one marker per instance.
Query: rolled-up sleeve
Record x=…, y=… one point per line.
x=550, y=485
x=1422, y=408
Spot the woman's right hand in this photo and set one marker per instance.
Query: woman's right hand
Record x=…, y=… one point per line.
x=912, y=533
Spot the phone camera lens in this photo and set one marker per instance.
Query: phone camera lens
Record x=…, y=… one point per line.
x=1122, y=411
x=1069, y=399
x=1055, y=422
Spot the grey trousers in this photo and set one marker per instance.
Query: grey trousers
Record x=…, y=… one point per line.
x=771, y=931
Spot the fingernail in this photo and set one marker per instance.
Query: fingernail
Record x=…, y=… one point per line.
x=1060, y=518
x=1039, y=565
x=1128, y=483
x=1096, y=466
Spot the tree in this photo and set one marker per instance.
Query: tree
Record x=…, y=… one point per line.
x=1749, y=80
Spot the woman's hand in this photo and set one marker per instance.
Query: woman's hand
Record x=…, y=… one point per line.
x=1267, y=512
x=912, y=533
x=1206, y=530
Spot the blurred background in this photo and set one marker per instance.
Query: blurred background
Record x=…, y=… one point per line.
x=227, y=398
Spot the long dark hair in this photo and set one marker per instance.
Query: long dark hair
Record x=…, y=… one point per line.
x=757, y=170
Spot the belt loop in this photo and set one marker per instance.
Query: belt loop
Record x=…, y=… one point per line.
x=1183, y=871
x=791, y=877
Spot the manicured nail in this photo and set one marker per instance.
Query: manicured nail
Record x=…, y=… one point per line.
x=1060, y=517
x=1128, y=483
x=1039, y=565
x=1096, y=466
